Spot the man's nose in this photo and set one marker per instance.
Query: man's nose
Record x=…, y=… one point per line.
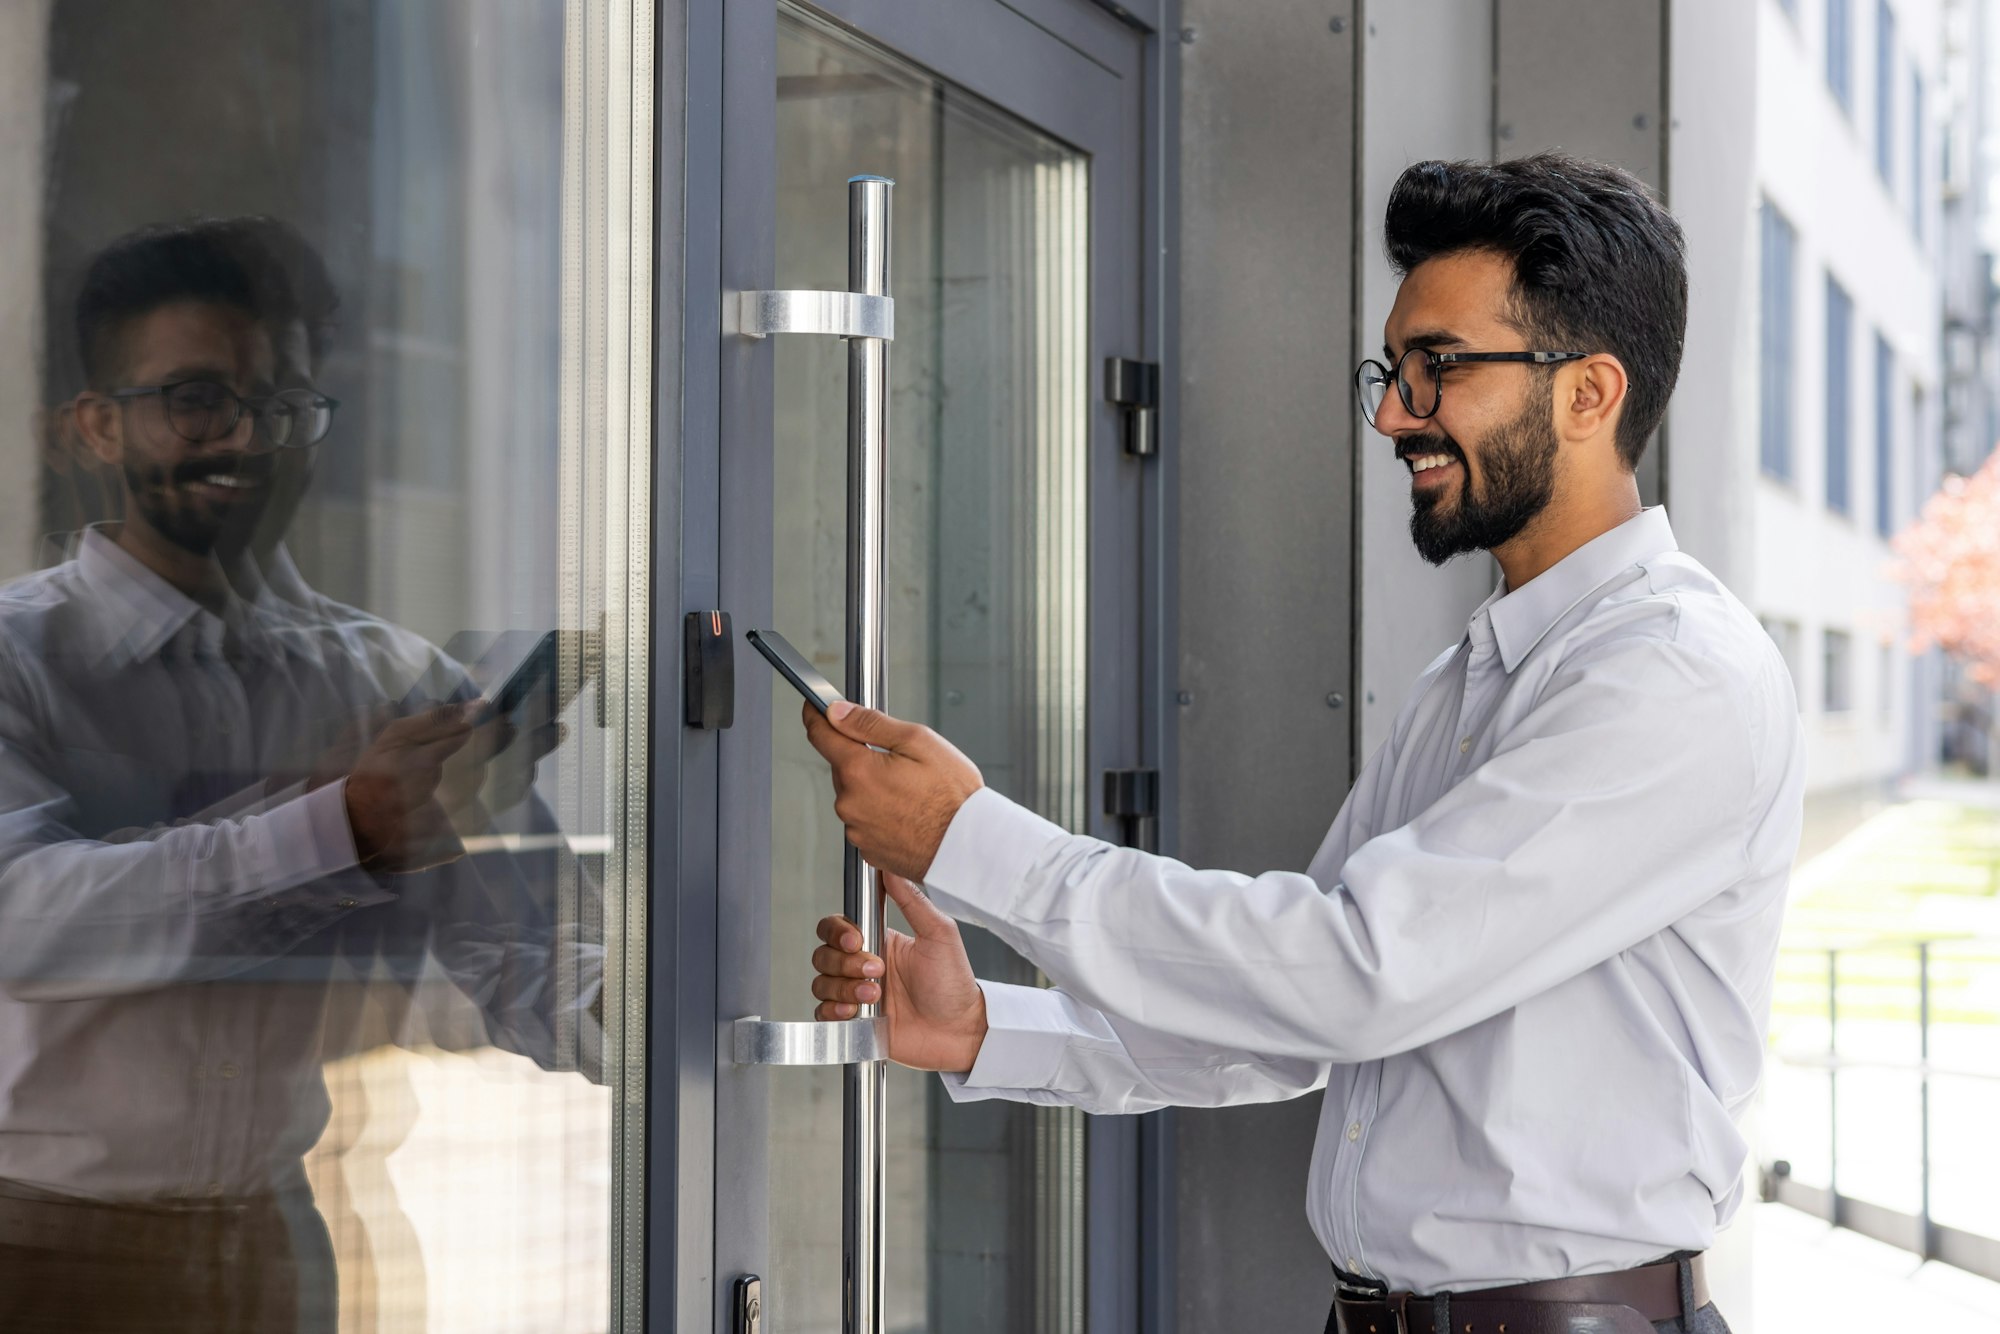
x=248, y=436
x=1394, y=420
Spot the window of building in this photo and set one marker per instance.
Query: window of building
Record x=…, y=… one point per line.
x=1840, y=53
x=1774, y=374
x=1785, y=634
x=1839, y=391
x=1917, y=152
x=1885, y=685
x=1885, y=495
x=1837, y=671
x=1885, y=92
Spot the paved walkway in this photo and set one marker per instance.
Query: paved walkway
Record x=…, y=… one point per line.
x=1809, y=1278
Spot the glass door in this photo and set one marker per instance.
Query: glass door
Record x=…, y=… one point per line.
x=1009, y=601
x=326, y=395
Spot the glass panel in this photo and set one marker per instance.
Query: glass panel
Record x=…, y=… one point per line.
x=313, y=976
x=986, y=585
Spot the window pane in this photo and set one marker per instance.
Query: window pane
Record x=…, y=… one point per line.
x=1839, y=394
x=1885, y=442
x=1917, y=184
x=1836, y=671
x=985, y=616
x=1885, y=92
x=1839, y=57
x=314, y=1002
x=1774, y=427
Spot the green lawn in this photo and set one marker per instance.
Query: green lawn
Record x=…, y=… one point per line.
x=1918, y=870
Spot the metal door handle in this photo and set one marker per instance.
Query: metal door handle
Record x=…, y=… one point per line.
x=866, y=317
x=842, y=314
x=761, y=1041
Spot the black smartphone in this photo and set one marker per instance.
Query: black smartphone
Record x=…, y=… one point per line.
x=536, y=671
x=513, y=669
x=792, y=665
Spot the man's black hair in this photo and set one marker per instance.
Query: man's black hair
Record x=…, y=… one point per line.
x=1599, y=265
x=257, y=265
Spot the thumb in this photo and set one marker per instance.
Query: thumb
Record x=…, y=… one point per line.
x=871, y=727
x=925, y=917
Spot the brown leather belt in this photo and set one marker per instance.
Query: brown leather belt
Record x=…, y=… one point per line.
x=1625, y=1302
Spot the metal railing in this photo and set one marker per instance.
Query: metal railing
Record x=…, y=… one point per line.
x=1919, y=1233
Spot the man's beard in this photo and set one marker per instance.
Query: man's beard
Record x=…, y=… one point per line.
x=190, y=522
x=1518, y=466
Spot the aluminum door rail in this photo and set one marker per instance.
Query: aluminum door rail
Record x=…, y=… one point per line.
x=865, y=317
x=865, y=1084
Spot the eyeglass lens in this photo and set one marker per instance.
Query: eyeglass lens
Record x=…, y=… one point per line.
x=1416, y=384
x=201, y=411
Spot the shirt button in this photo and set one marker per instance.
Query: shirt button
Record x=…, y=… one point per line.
x=1353, y=1131
x=344, y=903
x=1465, y=745
x=229, y=1070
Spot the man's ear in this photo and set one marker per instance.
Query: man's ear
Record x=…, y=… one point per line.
x=1590, y=397
x=99, y=425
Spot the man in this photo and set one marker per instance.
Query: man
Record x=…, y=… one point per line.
x=231, y=810
x=1531, y=963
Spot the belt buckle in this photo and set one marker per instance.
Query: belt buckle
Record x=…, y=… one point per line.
x=1399, y=1304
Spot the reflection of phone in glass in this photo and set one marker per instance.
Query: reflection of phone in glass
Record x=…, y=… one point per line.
x=792, y=665
x=516, y=670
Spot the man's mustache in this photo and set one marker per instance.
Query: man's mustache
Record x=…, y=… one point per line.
x=248, y=467
x=1416, y=446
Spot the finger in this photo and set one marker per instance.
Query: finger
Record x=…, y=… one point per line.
x=827, y=1012
x=872, y=727
x=437, y=748
x=840, y=933
x=923, y=915
x=830, y=962
x=825, y=738
x=846, y=991
x=441, y=720
x=488, y=739
x=547, y=739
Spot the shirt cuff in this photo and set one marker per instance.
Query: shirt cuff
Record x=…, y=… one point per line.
x=986, y=855
x=319, y=829
x=1027, y=1035
x=321, y=864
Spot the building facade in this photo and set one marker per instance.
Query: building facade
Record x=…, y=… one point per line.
x=1871, y=298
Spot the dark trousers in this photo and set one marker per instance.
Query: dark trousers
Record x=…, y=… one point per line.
x=257, y=1266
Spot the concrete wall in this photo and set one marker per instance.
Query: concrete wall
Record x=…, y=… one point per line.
x=1408, y=611
x=24, y=31
x=1266, y=433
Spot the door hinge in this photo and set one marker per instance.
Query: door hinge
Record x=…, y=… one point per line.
x=1132, y=797
x=1135, y=386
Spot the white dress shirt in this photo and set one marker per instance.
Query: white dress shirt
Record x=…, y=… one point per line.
x=1531, y=963
x=185, y=933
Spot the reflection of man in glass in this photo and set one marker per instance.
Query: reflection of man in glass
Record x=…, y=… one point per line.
x=227, y=806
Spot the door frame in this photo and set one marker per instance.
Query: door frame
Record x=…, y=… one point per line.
x=1050, y=61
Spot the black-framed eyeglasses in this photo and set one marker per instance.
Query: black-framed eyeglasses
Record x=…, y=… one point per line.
x=1419, y=376
x=201, y=411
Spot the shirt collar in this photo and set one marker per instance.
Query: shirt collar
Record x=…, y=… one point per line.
x=137, y=613
x=1521, y=618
